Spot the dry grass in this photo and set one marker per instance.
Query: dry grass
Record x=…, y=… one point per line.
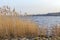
x=56, y=30
x=14, y=27
x=43, y=31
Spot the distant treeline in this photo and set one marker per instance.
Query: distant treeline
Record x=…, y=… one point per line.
x=49, y=14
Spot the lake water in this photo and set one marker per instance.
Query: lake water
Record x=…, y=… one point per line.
x=44, y=20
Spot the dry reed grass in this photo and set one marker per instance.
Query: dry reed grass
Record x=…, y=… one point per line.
x=14, y=27
x=56, y=30
x=11, y=26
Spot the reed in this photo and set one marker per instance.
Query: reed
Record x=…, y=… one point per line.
x=15, y=27
x=12, y=27
x=56, y=30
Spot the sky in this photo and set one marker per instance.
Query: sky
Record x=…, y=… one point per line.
x=33, y=6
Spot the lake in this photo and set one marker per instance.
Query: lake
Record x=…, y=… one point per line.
x=44, y=20
x=47, y=20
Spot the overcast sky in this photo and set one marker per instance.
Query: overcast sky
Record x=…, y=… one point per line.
x=33, y=6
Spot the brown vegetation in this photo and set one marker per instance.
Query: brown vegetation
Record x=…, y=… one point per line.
x=43, y=31
x=11, y=26
x=14, y=27
x=56, y=30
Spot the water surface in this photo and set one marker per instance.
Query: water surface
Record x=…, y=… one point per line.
x=44, y=20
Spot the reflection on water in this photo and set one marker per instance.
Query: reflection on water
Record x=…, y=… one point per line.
x=44, y=20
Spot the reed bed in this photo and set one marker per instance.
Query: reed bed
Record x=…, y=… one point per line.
x=12, y=27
